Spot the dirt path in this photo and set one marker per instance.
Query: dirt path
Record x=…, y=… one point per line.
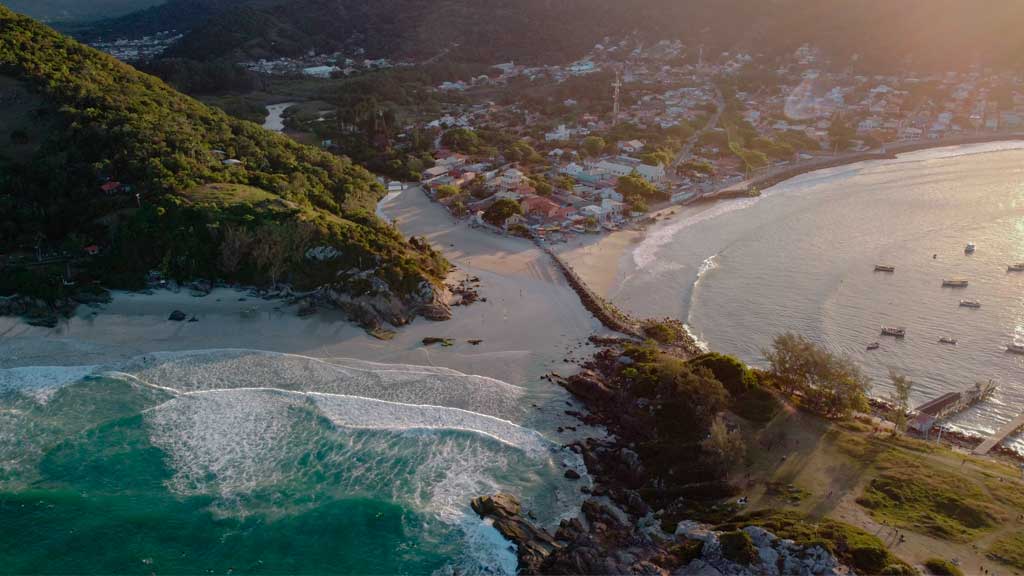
x=798, y=454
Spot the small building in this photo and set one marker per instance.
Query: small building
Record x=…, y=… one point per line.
x=631, y=146
x=320, y=71
x=111, y=187
x=395, y=186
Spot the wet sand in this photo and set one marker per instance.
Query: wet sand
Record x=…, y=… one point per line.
x=530, y=319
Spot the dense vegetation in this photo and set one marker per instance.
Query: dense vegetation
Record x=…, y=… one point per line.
x=106, y=122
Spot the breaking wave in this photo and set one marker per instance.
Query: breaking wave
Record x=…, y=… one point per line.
x=275, y=434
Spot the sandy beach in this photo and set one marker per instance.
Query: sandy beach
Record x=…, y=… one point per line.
x=527, y=325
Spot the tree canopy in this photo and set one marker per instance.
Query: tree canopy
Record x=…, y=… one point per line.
x=179, y=172
x=827, y=383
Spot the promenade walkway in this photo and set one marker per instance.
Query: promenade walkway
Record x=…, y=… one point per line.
x=999, y=436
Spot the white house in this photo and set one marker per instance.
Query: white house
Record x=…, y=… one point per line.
x=320, y=71
x=559, y=134
x=613, y=209
x=623, y=166
x=511, y=179
x=631, y=146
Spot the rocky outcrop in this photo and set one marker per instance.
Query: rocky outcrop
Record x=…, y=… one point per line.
x=775, y=556
x=371, y=302
x=589, y=387
x=534, y=545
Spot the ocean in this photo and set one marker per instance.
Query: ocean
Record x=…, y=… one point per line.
x=801, y=258
x=242, y=461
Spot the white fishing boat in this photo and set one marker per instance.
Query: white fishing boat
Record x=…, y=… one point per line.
x=1015, y=348
x=970, y=304
x=884, y=268
x=970, y=248
x=947, y=340
x=1018, y=267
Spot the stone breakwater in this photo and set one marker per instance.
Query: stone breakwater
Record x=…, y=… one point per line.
x=612, y=317
x=607, y=313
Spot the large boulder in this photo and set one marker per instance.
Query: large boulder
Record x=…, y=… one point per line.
x=534, y=545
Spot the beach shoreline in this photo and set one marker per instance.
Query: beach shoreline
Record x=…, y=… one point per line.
x=522, y=292
x=604, y=261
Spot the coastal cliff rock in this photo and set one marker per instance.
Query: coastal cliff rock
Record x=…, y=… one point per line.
x=534, y=545
x=376, y=303
x=773, y=556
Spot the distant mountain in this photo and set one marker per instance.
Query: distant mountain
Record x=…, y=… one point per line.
x=76, y=10
x=180, y=15
x=877, y=34
x=95, y=152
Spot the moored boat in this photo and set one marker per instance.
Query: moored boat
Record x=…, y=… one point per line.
x=1018, y=267
x=947, y=340
x=894, y=331
x=970, y=304
x=970, y=248
x=884, y=268
x=1015, y=348
x=955, y=283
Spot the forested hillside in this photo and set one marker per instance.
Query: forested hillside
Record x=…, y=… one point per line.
x=113, y=157
x=76, y=10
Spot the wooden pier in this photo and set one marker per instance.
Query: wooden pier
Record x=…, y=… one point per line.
x=994, y=440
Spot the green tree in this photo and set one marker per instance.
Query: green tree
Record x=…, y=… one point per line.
x=900, y=398
x=542, y=187
x=446, y=191
x=592, y=146
x=829, y=384
x=724, y=447
x=501, y=210
x=461, y=140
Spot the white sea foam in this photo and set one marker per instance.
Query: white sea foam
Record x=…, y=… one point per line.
x=355, y=412
x=41, y=382
x=225, y=369
x=646, y=253
x=241, y=425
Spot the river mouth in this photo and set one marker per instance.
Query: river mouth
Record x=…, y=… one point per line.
x=275, y=116
x=801, y=258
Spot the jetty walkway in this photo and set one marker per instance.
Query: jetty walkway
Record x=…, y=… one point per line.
x=1000, y=435
x=607, y=313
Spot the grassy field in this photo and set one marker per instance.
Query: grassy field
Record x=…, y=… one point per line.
x=225, y=195
x=923, y=501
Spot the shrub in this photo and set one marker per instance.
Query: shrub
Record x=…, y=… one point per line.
x=663, y=332
x=728, y=370
x=687, y=552
x=941, y=567
x=737, y=547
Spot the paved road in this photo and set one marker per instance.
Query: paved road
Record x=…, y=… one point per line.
x=712, y=122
